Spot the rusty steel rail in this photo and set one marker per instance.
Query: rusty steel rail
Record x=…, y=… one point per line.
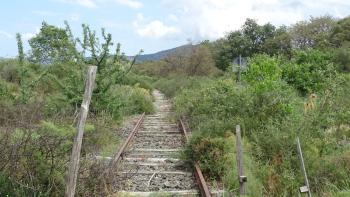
x=203, y=187
x=119, y=154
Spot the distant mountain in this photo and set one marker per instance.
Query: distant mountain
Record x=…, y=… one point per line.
x=161, y=54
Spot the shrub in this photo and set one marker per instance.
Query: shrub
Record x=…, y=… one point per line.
x=262, y=68
x=309, y=71
x=10, y=71
x=341, y=57
x=212, y=154
x=173, y=85
x=123, y=100
x=271, y=115
x=139, y=80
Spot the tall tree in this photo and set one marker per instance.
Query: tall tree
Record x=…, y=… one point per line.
x=249, y=40
x=313, y=33
x=280, y=43
x=200, y=61
x=257, y=35
x=50, y=45
x=341, y=33
x=340, y=39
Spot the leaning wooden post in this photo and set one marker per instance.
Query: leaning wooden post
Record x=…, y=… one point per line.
x=306, y=188
x=75, y=157
x=239, y=156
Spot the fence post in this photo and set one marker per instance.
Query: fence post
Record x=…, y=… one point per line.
x=75, y=157
x=306, y=188
x=239, y=156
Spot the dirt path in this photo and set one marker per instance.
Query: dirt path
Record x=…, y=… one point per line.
x=152, y=161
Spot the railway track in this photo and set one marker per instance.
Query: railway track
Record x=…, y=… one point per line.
x=149, y=161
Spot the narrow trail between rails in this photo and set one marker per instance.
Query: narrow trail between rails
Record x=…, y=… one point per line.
x=151, y=163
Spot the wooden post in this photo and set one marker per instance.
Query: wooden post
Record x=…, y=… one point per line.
x=306, y=188
x=75, y=157
x=239, y=156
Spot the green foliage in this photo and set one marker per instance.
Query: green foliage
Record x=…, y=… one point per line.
x=341, y=57
x=141, y=81
x=212, y=154
x=341, y=32
x=313, y=33
x=279, y=44
x=126, y=100
x=263, y=68
x=6, y=90
x=172, y=86
x=42, y=162
x=249, y=40
x=310, y=71
x=20, y=48
x=10, y=71
x=39, y=103
x=271, y=116
x=50, y=45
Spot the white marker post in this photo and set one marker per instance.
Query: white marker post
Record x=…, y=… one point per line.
x=306, y=188
x=239, y=157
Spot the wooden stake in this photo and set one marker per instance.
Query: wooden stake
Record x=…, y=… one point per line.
x=306, y=188
x=239, y=156
x=75, y=157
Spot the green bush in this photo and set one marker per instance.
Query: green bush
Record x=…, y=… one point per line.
x=216, y=157
x=173, y=85
x=123, y=100
x=212, y=154
x=271, y=115
x=341, y=57
x=262, y=68
x=10, y=71
x=7, y=90
x=141, y=81
x=309, y=71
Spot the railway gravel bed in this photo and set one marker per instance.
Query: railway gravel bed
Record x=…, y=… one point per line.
x=151, y=164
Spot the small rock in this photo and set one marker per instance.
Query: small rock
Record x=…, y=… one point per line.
x=167, y=184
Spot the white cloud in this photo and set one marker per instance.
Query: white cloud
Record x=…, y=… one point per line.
x=28, y=35
x=211, y=19
x=85, y=3
x=173, y=17
x=6, y=34
x=130, y=3
x=153, y=28
x=156, y=29
x=140, y=17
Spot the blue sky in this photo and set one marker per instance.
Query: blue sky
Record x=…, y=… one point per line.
x=154, y=25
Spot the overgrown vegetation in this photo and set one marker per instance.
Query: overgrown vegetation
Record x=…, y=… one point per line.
x=40, y=96
x=296, y=84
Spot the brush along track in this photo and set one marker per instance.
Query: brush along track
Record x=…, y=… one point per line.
x=151, y=161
